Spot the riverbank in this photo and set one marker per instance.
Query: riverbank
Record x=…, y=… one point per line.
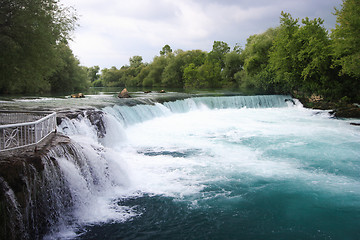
x=338, y=109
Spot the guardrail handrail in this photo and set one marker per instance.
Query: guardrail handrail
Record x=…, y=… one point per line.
x=35, y=127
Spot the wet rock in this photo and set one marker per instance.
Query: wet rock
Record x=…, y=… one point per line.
x=77, y=95
x=349, y=111
x=162, y=91
x=68, y=114
x=96, y=119
x=290, y=100
x=28, y=206
x=321, y=105
x=94, y=116
x=124, y=94
x=340, y=109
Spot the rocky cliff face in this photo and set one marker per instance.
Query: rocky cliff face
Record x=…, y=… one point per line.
x=32, y=191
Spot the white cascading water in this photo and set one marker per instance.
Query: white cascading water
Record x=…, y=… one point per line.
x=178, y=149
x=94, y=175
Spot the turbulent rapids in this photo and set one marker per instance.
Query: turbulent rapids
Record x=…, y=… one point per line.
x=234, y=167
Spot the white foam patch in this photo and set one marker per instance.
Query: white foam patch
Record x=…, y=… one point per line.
x=181, y=155
x=217, y=135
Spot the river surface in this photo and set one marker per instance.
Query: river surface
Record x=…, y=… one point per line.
x=210, y=167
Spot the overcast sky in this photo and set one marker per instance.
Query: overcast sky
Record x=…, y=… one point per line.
x=112, y=31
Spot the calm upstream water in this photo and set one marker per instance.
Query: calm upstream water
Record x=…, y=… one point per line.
x=223, y=167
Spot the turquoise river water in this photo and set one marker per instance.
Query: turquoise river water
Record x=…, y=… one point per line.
x=223, y=167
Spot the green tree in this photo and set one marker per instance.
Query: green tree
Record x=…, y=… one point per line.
x=111, y=77
x=129, y=73
x=174, y=71
x=256, y=59
x=93, y=73
x=166, y=50
x=209, y=75
x=139, y=78
x=136, y=61
x=300, y=57
x=283, y=55
x=346, y=38
x=69, y=76
x=256, y=52
x=172, y=75
x=156, y=69
x=237, y=48
x=191, y=79
x=29, y=33
x=204, y=71
x=313, y=57
x=218, y=52
x=233, y=64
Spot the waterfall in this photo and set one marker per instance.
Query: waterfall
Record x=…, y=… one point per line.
x=91, y=175
x=128, y=115
x=77, y=182
x=15, y=227
x=265, y=101
x=34, y=195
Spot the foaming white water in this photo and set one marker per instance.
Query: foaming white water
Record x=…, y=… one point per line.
x=126, y=115
x=185, y=148
x=181, y=154
x=233, y=102
x=39, y=99
x=96, y=175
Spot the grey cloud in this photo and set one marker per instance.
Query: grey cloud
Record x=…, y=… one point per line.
x=148, y=10
x=143, y=27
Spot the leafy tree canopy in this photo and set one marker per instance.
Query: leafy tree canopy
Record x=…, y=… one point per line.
x=135, y=61
x=166, y=50
x=218, y=52
x=346, y=38
x=29, y=33
x=93, y=73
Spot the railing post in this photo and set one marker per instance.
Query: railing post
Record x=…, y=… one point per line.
x=36, y=132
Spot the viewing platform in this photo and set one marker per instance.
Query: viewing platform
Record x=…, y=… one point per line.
x=19, y=129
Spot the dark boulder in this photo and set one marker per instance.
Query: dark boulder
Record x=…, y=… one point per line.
x=339, y=109
x=290, y=100
x=96, y=119
x=94, y=116
x=349, y=111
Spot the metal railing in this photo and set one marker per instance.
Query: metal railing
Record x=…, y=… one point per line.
x=23, y=128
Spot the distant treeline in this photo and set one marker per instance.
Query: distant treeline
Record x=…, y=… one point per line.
x=297, y=56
